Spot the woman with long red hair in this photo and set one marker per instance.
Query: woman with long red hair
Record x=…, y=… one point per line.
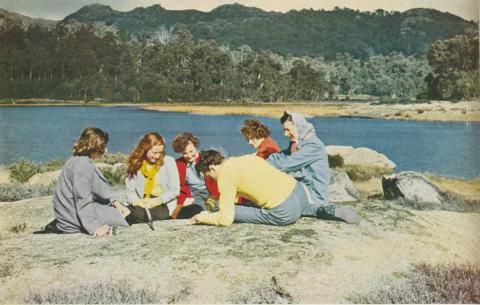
x=152, y=181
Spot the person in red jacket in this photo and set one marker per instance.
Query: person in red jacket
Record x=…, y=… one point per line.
x=258, y=136
x=197, y=191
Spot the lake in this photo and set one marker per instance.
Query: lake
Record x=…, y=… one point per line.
x=47, y=133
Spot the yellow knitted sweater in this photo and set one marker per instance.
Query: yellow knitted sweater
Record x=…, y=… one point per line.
x=251, y=177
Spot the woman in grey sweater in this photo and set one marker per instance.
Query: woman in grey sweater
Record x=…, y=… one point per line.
x=82, y=200
x=152, y=181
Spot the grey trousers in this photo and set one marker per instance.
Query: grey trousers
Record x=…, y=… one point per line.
x=201, y=197
x=288, y=212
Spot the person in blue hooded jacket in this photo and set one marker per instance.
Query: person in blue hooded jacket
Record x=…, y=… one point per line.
x=307, y=161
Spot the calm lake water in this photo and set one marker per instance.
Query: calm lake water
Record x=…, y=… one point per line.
x=46, y=133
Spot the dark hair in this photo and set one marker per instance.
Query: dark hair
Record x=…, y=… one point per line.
x=286, y=117
x=254, y=129
x=181, y=141
x=92, y=140
x=209, y=157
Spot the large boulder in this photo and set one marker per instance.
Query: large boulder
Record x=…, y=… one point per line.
x=413, y=189
x=44, y=178
x=342, y=188
x=360, y=156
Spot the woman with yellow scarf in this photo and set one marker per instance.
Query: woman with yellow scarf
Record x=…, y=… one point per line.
x=152, y=181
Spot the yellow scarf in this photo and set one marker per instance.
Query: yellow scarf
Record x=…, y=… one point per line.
x=150, y=176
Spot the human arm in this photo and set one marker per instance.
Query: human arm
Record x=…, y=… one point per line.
x=226, y=203
x=131, y=192
x=300, y=159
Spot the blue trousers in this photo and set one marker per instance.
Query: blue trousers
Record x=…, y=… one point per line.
x=284, y=214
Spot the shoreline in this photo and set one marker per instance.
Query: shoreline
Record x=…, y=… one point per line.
x=435, y=111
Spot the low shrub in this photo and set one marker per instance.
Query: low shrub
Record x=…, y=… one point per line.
x=428, y=284
x=24, y=170
x=17, y=191
x=112, y=158
x=335, y=161
x=366, y=172
x=111, y=292
x=263, y=294
x=115, y=176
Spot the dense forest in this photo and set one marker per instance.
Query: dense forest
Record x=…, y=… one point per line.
x=95, y=61
x=296, y=33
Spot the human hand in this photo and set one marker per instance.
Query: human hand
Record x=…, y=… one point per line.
x=210, y=203
x=188, y=201
x=102, y=231
x=121, y=208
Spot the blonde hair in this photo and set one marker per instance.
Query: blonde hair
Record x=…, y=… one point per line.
x=92, y=140
x=139, y=154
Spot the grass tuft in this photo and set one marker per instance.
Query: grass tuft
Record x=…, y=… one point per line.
x=17, y=191
x=112, y=292
x=112, y=158
x=366, y=172
x=429, y=284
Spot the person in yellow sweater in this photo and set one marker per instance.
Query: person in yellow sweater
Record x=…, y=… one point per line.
x=279, y=197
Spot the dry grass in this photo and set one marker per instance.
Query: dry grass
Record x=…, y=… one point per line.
x=97, y=292
x=468, y=190
x=370, y=189
x=430, y=284
x=434, y=111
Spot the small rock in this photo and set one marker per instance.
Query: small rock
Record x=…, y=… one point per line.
x=360, y=156
x=412, y=188
x=44, y=178
x=342, y=188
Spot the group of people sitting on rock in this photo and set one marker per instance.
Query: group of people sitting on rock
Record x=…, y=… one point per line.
x=270, y=187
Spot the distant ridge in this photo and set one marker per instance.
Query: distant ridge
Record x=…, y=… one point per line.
x=10, y=19
x=297, y=32
x=305, y=32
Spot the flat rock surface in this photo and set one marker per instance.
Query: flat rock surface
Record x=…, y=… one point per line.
x=314, y=261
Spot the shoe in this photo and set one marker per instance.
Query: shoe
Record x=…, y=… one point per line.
x=347, y=215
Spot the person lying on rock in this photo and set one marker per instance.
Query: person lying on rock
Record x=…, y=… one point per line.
x=307, y=161
x=279, y=198
x=152, y=181
x=82, y=199
x=258, y=136
x=197, y=192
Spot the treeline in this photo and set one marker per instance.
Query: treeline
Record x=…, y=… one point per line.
x=81, y=64
x=306, y=32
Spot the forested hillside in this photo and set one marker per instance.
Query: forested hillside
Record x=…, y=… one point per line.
x=297, y=33
x=101, y=60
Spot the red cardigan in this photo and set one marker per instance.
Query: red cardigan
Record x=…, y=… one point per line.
x=185, y=191
x=268, y=147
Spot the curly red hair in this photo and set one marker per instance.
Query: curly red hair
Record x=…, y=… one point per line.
x=139, y=154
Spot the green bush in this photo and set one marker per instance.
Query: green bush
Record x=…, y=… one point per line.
x=52, y=165
x=426, y=284
x=17, y=191
x=335, y=161
x=23, y=170
x=366, y=172
x=112, y=158
x=97, y=292
x=116, y=177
